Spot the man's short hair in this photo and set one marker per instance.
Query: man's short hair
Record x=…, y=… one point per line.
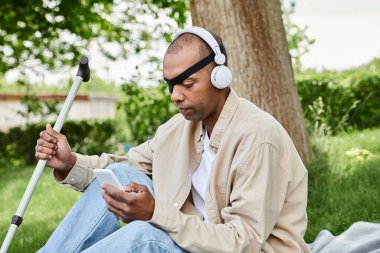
x=188, y=38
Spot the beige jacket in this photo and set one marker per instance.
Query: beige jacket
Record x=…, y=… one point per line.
x=256, y=199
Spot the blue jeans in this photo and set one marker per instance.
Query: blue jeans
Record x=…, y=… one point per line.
x=89, y=226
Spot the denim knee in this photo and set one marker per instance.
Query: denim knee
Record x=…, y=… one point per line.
x=148, y=238
x=136, y=237
x=144, y=231
x=125, y=170
x=120, y=167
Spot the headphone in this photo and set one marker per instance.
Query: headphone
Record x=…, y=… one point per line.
x=221, y=75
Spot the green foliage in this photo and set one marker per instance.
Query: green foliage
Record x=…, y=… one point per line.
x=146, y=108
x=36, y=107
x=367, y=91
x=87, y=137
x=298, y=41
x=326, y=104
x=96, y=86
x=177, y=10
x=334, y=102
x=91, y=137
x=55, y=33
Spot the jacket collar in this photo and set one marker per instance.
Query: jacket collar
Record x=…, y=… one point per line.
x=225, y=117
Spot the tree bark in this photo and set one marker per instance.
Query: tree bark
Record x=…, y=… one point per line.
x=254, y=36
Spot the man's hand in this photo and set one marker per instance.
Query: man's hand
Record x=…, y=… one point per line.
x=134, y=203
x=53, y=147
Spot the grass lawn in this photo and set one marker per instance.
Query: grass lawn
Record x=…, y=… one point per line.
x=48, y=206
x=343, y=188
x=344, y=182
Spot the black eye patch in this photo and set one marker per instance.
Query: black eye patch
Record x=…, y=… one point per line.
x=188, y=72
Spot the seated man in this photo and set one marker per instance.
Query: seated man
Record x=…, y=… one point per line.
x=221, y=176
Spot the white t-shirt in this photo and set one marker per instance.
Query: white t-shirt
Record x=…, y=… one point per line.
x=201, y=177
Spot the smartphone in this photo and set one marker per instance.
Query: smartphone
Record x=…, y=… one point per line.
x=107, y=176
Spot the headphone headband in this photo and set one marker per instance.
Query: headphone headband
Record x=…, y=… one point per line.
x=220, y=58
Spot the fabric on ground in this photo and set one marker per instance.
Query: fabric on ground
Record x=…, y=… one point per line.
x=361, y=237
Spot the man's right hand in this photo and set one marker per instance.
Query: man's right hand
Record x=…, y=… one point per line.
x=53, y=147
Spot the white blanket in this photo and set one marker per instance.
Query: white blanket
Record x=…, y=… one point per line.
x=361, y=237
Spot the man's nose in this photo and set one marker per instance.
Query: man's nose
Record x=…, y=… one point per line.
x=177, y=94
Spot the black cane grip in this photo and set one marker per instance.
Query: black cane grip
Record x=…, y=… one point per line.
x=84, y=69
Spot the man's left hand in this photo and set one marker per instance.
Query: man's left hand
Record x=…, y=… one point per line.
x=135, y=202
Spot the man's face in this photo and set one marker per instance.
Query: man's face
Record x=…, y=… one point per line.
x=195, y=97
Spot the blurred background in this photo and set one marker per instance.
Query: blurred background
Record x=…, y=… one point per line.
x=334, y=49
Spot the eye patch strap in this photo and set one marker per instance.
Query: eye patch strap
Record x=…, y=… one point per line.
x=188, y=72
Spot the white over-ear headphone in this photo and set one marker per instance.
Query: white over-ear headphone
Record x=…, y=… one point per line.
x=221, y=75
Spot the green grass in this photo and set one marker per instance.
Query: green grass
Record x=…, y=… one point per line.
x=48, y=206
x=344, y=182
x=343, y=189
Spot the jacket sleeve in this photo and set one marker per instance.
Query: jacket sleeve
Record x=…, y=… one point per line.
x=257, y=195
x=81, y=175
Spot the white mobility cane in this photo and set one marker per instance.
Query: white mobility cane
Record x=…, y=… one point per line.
x=83, y=74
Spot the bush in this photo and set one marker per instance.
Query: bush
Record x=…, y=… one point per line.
x=87, y=137
x=326, y=104
x=335, y=103
x=366, y=90
x=146, y=108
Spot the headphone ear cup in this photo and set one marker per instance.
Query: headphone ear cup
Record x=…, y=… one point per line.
x=221, y=77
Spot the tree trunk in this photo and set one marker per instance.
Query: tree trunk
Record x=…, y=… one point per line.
x=254, y=36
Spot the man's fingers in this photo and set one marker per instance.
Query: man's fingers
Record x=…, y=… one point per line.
x=111, y=190
x=45, y=150
x=47, y=137
x=117, y=194
x=42, y=156
x=42, y=143
x=120, y=214
x=135, y=187
x=52, y=132
x=114, y=202
x=123, y=211
x=129, y=206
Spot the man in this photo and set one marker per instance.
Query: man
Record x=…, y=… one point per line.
x=226, y=176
